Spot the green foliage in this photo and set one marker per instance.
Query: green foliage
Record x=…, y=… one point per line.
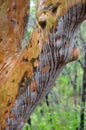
x=26, y=127
x=59, y=117
x=83, y=28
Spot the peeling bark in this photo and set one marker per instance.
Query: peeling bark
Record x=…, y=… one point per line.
x=37, y=67
x=13, y=17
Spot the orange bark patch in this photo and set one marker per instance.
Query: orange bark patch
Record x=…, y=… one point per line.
x=34, y=86
x=75, y=53
x=36, y=63
x=28, y=100
x=45, y=68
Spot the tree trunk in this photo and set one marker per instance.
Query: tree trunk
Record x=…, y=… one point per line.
x=82, y=114
x=13, y=19
x=49, y=49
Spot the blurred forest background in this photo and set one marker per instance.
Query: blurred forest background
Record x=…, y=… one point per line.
x=64, y=107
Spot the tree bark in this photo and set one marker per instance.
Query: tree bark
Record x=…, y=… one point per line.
x=34, y=72
x=13, y=19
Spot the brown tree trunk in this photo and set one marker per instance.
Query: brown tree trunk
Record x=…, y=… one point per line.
x=33, y=73
x=13, y=19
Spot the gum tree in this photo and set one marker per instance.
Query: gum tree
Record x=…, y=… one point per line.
x=27, y=75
